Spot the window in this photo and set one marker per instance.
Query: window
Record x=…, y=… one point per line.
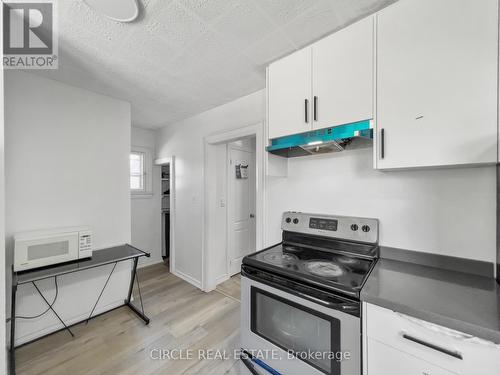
x=137, y=171
x=140, y=171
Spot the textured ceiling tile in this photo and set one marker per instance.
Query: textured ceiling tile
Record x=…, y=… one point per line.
x=182, y=57
x=84, y=44
x=283, y=11
x=84, y=17
x=269, y=49
x=146, y=46
x=177, y=26
x=208, y=10
x=214, y=46
x=358, y=8
x=245, y=23
x=313, y=24
x=239, y=75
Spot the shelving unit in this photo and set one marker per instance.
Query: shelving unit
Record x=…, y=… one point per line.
x=165, y=210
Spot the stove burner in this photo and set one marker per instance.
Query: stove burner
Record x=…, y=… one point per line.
x=291, y=248
x=280, y=258
x=323, y=268
x=347, y=260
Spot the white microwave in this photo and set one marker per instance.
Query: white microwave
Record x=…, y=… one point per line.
x=45, y=248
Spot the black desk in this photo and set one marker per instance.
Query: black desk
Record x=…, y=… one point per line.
x=112, y=255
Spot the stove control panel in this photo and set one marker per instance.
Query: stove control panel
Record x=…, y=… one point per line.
x=324, y=224
x=341, y=227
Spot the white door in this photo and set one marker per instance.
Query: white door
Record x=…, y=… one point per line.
x=343, y=76
x=241, y=207
x=437, y=83
x=289, y=94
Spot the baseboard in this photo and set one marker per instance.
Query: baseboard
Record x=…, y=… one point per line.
x=149, y=262
x=57, y=326
x=189, y=279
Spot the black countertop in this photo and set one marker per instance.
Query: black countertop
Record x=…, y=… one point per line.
x=465, y=302
x=99, y=258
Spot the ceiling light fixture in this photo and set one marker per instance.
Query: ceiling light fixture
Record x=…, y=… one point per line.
x=117, y=10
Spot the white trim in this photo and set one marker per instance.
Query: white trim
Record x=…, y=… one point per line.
x=257, y=130
x=149, y=263
x=161, y=161
x=141, y=195
x=221, y=279
x=187, y=278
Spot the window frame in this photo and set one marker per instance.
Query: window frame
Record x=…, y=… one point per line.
x=147, y=166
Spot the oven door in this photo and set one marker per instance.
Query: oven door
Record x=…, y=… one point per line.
x=294, y=335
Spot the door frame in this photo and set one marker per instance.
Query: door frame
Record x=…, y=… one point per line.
x=208, y=280
x=170, y=160
x=229, y=200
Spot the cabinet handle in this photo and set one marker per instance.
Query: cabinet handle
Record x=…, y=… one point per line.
x=451, y=353
x=306, y=106
x=315, y=109
x=382, y=143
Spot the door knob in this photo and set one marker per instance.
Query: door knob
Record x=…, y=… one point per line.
x=252, y=216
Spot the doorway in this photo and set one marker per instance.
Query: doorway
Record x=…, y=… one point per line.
x=165, y=212
x=167, y=190
x=241, y=195
x=233, y=219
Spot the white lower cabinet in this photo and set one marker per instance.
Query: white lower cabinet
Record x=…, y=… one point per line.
x=397, y=344
x=384, y=360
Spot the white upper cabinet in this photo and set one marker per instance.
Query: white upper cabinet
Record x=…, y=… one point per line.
x=289, y=94
x=327, y=84
x=437, y=67
x=343, y=76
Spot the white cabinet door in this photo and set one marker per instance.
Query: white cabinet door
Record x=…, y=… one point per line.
x=437, y=83
x=385, y=360
x=343, y=76
x=289, y=94
x=422, y=346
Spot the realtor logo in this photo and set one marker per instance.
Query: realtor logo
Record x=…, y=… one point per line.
x=29, y=34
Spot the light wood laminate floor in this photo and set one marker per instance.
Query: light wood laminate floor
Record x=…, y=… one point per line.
x=182, y=317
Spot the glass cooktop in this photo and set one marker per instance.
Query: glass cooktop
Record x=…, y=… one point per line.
x=325, y=268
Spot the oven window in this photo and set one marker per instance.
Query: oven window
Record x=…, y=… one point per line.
x=313, y=336
x=48, y=250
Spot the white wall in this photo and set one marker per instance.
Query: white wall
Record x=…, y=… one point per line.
x=146, y=210
x=67, y=153
x=3, y=348
x=184, y=140
x=445, y=211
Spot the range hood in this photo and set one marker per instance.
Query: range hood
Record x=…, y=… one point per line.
x=338, y=138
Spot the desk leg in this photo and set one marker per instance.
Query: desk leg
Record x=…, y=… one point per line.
x=51, y=308
x=12, y=352
x=140, y=314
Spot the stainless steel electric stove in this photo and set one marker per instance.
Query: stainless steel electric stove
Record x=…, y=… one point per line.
x=300, y=298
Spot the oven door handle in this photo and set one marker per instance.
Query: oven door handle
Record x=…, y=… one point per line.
x=245, y=355
x=344, y=306
x=248, y=364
